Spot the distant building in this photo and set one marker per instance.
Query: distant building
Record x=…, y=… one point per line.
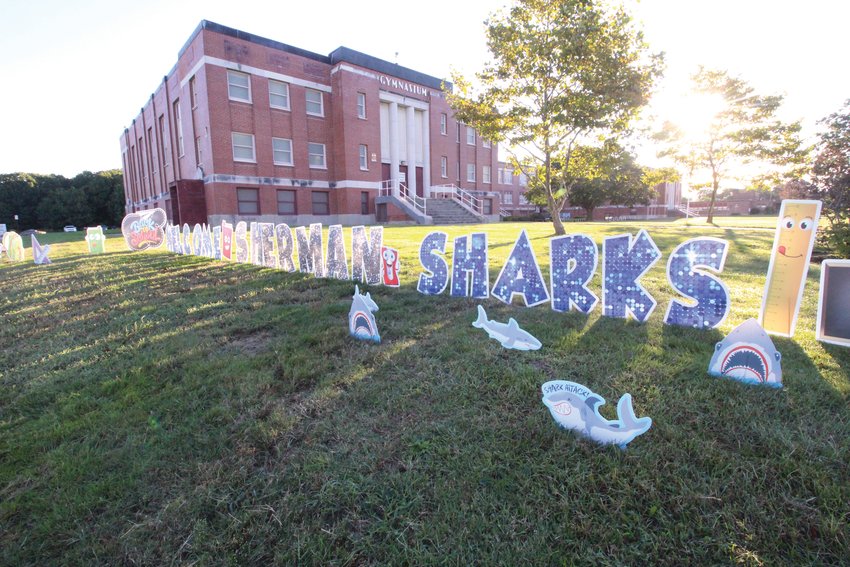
x=247, y=128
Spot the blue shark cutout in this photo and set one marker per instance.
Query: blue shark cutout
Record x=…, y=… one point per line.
x=575, y=407
x=747, y=354
x=361, y=322
x=509, y=335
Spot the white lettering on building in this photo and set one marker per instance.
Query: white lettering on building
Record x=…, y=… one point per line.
x=402, y=85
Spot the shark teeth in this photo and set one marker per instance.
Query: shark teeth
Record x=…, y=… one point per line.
x=745, y=362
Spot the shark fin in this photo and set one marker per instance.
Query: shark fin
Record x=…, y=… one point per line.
x=593, y=401
x=482, y=318
x=356, y=289
x=512, y=324
x=627, y=415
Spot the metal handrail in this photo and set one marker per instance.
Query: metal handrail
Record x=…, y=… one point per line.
x=415, y=201
x=460, y=196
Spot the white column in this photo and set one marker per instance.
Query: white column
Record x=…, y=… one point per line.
x=411, y=149
x=426, y=152
x=394, y=146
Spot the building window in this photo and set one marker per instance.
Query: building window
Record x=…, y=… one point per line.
x=470, y=135
x=198, y=153
x=523, y=180
x=364, y=202
x=315, y=104
x=508, y=198
x=457, y=133
x=316, y=155
x=178, y=119
x=485, y=174
x=282, y=150
x=522, y=199
x=444, y=121
x=457, y=171
x=321, y=202
x=485, y=143
x=238, y=86
x=444, y=166
x=361, y=105
x=248, y=201
x=364, y=157
x=286, y=202
x=193, y=93
x=470, y=172
x=278, y=95
x=243, y=147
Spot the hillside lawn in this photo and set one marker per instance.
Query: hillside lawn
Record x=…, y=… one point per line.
x=159, y=409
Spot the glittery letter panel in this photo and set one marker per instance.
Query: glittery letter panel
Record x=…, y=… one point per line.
x=521, y=276
x=283, y=235
x=255, y=243
x=625, y=261
x=366, y=254
x=573, y=261
x=216, y=242
x=437, y=278
x=226, y=240
x=686, y=277
x=305, y=261
x=172, y=239
x=240, y=240
x=337, y=262
x=187, y=239
x=197, y=240
x=316, y=253
x=470, y=264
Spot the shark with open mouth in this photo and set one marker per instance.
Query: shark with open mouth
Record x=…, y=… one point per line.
x=747, y=354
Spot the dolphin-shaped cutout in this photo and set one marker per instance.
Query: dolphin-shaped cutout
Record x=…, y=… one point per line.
x=509, y=335
x=575, y=407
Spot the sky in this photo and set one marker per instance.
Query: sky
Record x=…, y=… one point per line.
x=75, y=73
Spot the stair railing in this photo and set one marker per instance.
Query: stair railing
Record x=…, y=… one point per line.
x=460, y=196
x=405, y=194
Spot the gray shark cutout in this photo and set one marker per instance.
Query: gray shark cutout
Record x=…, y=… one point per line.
x=576, y=407
x=508, y=334
x=747, y=354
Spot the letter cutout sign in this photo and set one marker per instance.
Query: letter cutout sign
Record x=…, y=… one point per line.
x=39, y=252
x=470, y=274
x=789, y=265
x=625, y=262
x=572, y=260
x=521, y=276
x=686, y=277
x=436, y=265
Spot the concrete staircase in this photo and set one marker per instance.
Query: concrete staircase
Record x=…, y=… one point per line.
x=445, y=211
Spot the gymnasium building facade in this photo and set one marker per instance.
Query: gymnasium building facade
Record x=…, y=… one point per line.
x=246, y=128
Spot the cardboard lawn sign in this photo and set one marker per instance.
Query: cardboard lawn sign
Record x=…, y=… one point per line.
x=509, y=335
x=833, y=324
x=14, y=246
x=789, y=264
x=575, y=407
x=95, y=239
x=144, y=229
x=361, y=322
x=39, y=252
x=389, y=266
x=685, y=272
x=747, y=354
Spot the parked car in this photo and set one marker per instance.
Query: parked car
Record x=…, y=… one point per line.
x=70, y=228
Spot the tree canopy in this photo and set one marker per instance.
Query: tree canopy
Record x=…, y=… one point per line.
x=745, y=131
x=560, y=71
x=831, y=177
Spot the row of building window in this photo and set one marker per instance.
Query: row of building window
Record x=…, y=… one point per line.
x=470, y=132
x=248, y=202
x=239, y=89
x=244, y=150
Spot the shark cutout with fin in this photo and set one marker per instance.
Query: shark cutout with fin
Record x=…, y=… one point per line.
x=747, y=354
x=508, y=334
x=576, y=407
x=361, y=321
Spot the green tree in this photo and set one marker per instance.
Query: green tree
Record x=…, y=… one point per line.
x=831, y=177
x=744, y=135
x=561, y=71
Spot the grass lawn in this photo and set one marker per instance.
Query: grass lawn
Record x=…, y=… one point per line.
x=161, y=409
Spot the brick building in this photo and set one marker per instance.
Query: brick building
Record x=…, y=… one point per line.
x=246, y=128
